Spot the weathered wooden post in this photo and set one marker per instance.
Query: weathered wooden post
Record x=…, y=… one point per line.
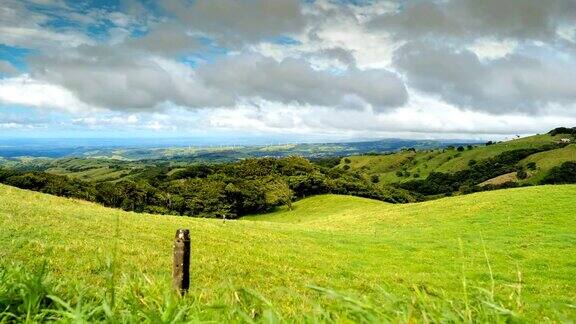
x=181, y=266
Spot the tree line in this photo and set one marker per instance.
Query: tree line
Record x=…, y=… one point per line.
x=228, y=190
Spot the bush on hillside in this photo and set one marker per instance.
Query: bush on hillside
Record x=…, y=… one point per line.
x=563, y=130
x=563, y=174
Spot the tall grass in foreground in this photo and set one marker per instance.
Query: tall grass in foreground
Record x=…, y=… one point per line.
x=37, y=297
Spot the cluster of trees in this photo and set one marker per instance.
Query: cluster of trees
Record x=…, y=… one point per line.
x=562, y=174
x=563, y=130
x=220, y=190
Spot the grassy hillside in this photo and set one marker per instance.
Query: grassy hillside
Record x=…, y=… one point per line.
x=420, y=164
x=547, y=160
x=484, y=257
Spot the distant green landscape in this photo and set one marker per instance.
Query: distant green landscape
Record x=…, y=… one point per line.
x=48, y=150
x=414, y=235
x=184, y=186
x=500, y=256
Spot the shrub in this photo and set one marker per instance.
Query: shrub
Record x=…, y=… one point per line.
x=531, y=166
x=375, y=178
x=563, y=174
x=347, y=161
x=563, y=130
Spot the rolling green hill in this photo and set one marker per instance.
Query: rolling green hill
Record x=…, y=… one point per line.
x=491, y=257
x=547, y=160
x=409, y=165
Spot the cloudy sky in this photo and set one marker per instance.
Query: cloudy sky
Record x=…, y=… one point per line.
x=293, y=69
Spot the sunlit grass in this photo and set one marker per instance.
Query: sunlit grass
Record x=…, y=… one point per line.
x=486, y=257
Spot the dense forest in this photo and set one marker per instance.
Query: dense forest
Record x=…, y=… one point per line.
x=227, y=190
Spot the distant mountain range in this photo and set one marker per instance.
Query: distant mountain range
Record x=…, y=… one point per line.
x=133, y=149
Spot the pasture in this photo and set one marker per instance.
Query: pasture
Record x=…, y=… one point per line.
x=493, y=256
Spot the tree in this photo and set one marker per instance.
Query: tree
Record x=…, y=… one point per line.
x=278, y=193
x=374, y=178
x=563, y=174
x=460, y=149
x=563, y=130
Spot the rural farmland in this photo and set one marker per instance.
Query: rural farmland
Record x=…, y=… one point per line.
x=494, y=256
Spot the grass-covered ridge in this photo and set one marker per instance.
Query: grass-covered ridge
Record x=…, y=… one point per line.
x=387, y=262
x=418, y=164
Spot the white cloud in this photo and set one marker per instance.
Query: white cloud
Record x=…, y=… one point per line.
x=490, y=49
x=424, y=116
x=23, y=90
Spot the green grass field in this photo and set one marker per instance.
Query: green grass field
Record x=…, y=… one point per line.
x=488, y=257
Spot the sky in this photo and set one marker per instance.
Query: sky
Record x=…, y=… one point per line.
x=292, y=70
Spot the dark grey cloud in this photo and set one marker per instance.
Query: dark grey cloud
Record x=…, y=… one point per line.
x=295, y=81
x=168, y=39
x=116, y=78
x=514, y=83
x=523, y=19
x=238, y=22
x=342, y=55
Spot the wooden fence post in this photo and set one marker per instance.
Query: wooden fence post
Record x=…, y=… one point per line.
x=181, y=266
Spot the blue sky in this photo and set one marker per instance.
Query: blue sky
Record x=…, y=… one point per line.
x=287, y=70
